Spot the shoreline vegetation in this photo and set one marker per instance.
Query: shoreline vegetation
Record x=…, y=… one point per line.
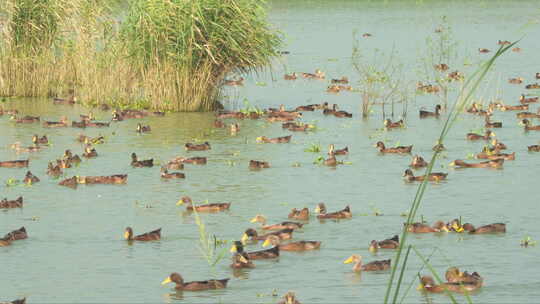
x=163, y=55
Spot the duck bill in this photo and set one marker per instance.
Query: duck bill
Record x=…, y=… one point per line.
x=259, y=139
x=444, y=229
x=234, y=249
x=180, y=202
x=166, y=281
x=348, y=261
x=266, y=243
x=244, y=239
x=420, y=287
x=126, y=235
x=243, y=259
x=253, y=220
x=317, y=210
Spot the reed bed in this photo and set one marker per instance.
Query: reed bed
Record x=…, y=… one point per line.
x=168, y=55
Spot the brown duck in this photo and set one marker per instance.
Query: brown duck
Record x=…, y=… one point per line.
x=69, y=182
x=371, y=266
x=241, y=260
x=525, y=100
x=290, y=76
x=497, y=163
x=333, y=151
x=454, y=275
x=494, y=156
x=425, y=114
x=143, y=129
x=299, y=214
x=277, y=140
x=388, y=124
x=438, y=226
x=428, y=284
x=30, y=178
x=434, y=176
x=17, y=203
x=533, y=148
x=342, y=80
x=19, y=234
x=215, y=207
x=56, y=124
x=418, y=162
x=521, y=107
x=251, y=234
x=27, y=119
x=89, y=152
x=135, y=162
x=197, y=147
x=289, y=298
x=322, y=214
x=14, y=163
x=256, y=164
x=107, y=180
x=532, y=86
x=391, y=243
x=172, y=175
x=528, y=126
x=195, y=285
x=400, y=149
x=488, y=135
x=492, y=124
x=191, y=160
x=264, y=254
x=491, y=228
x=149, y=236
x=283, y=225
x=291, y=246
x=43, y=140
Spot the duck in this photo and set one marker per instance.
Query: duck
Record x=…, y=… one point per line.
x=141, y=163
x=306, y=108
x=371, y=266
x=195, y=285
x=533, y=148
x=289, y=298
x=89, y=152
x=17, y=203
x=391, y=243
x=56, y=124
x=290, y=76
x=454, y=275
x=434, y=176
x=259, y=218
x=331, y=161
x=257, y=164
x=89, y=140
x=231, y=82
x=388, y=124
x=490, y=124
x=95, y=124
x=299, y=214
x=428, y=284
x=333, y=151
x=19, y=234
x=17, y=147
x=327, y=111
x=71, y=182
x=240, y=261
x=108, y=180
x=192, y=160
x=143, y=129
x=63, y=163
x=291, y=246
x=398, y=149
x=214, y=207
x=322, y=214
x=30, y=178
x=496, y=163
x=197, y=147
x=18, y=301
x=66, y=101
x=537, y=76
x=149, y=236
x=43, y=140
x=520, y=107
x=8, y=111
x=441, y=67
x=342, y=114
x=234, y=128
x=525, y=100
x=517, y=80
x=488, y=135
x=27, y=119
x=497, y=145
x=438, y=147
x=424, y=113
x=483, y=50
x=532, y=86
x=491, y=228
x=418, y=162
x=70, y=158
x=277, y=140
x=438, y=226
x=317, y=75
x=527, y=115
x=14, y=163
x=494, y=156
x=528, y=127
x=219, y=124
x=165, y=174
x=251, y=234
x=272, y=253
x=333, y=89
x=455, y=75
x=342, y=80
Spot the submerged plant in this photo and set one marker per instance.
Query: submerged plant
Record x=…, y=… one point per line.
x=527, y=241
x=209, y=245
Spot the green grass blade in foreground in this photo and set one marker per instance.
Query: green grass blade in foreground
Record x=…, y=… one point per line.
x=464, y=98
x=428, y=265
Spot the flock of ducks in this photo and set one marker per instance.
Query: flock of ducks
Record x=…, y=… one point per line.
x=279, y=236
